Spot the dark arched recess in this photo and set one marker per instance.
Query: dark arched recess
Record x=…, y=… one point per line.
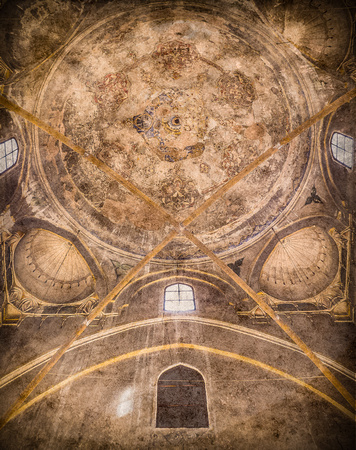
x=181, y=399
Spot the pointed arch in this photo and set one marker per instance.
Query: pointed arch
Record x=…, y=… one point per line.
x=181, y=399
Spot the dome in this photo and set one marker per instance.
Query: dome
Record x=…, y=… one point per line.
x=221, y=114
x=301, y=265
x=178, y=115
x=50, y=268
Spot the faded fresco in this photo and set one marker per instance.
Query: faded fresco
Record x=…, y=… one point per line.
x=177, y=227
x=178, y=116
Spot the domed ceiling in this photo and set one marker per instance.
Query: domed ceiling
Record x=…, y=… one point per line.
x=178, y=98
x=50, y=268
x=177, y=107
x=300, y=266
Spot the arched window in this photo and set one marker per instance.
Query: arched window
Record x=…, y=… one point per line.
x=181, y=399
x=179, y=297
x=342, y=149
x=9, y=151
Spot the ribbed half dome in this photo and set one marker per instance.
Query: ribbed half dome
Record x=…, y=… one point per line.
x=301, y=265
x=51, y=268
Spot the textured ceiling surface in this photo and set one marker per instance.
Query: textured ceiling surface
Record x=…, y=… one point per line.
x=51, y=268
x=291, y=273
x=178, y=98
x=178, y=104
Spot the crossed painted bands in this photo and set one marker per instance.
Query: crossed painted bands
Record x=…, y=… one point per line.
x=221, y=191
x=179, y=228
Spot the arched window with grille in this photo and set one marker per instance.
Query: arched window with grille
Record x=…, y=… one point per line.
x=342, y=149
x=9, y=151
x=181, y=399
x=179, y=297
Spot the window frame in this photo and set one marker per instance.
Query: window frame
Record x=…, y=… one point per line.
x=179, y=300
x=333, y=145
x=16, y=150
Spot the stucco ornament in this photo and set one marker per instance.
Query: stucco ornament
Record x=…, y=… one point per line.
x=301, y=265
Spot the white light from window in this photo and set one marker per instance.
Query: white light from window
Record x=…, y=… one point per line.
x=9, y=151
x=125, y=405
x=179, y=298
x=342, y=148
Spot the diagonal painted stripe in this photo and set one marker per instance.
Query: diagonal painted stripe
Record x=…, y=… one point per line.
x=296, y=132
x=96, y=311
x=150, y=350
x=15, y=374
x=268, y=310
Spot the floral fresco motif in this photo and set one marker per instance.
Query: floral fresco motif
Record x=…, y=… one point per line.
x=237, y=156
x=237, y=89
x=204, y=168
x=111, y=91
x=178, y=193
x=231, y=160
x=174, y=119
x=175, y=56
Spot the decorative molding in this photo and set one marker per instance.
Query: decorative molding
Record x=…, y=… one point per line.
x=349, y=68
x=5, y=73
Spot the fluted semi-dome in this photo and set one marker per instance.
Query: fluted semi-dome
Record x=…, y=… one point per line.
x=51, y=268
x=300, y=265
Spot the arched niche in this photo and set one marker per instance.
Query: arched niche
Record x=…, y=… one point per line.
x=181, y=399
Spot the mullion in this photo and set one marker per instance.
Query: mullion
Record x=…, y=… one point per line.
x=9, y=158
